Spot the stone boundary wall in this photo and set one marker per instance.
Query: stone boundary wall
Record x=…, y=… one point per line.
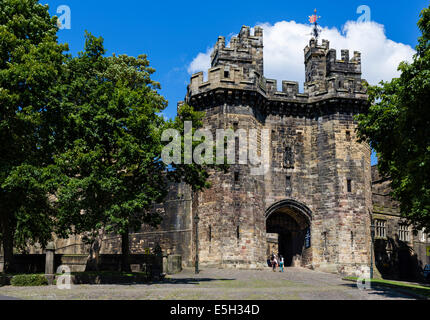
x=35, y=263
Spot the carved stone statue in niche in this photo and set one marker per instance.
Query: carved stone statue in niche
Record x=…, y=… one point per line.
x=289, y=157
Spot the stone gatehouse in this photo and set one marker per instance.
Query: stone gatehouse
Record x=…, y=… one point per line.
x=314, y=204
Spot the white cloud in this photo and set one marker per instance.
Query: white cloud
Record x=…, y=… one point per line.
x=201, y=63
x=284, y=43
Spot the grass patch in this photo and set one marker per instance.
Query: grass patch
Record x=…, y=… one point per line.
x=417, y=289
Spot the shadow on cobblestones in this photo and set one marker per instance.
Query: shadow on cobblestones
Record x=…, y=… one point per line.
x=192, y=280
x=379, y=291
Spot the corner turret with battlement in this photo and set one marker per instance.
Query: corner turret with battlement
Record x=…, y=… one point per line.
x=245, y=52
x=324, y=73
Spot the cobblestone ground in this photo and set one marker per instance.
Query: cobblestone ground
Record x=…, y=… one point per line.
x=213, y=284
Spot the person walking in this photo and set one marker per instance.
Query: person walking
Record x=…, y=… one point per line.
x=281, y=263
x=275, y=262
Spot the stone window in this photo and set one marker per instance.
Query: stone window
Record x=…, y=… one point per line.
x=210, y=234
x=423, y=235
x=289, y=157
x=404, y=234
x=324, y=234
x=236, y=149
x=227, y=72
x=349, y=185
x=380, y=228
x=237, y=232
x=236, y=176
x=288, y=187
x=259, y=141
x=348, y=135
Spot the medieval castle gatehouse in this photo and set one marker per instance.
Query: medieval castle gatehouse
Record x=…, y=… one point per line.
x=314, y=204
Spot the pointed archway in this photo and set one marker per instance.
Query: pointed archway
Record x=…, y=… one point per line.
x=288, y=222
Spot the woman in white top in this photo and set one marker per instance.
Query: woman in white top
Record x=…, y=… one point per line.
x=275, y=262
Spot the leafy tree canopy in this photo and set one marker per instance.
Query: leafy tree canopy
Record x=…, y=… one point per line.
x=111, y=171
x=30, y=63
x=398, y=129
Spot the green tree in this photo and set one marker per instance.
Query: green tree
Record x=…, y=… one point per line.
x=398, y=129
x=111, y=167
x=195, y=175
x=30, y=64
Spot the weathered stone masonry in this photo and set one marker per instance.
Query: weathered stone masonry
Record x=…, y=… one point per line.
x=314, y=159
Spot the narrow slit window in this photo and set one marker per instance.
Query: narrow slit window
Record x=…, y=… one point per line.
x=210, y=234
x=236, y=149
x=324, y=234
x=348, y=135
x=237, y=232
x=349, y=185
x=226, y=74
x=288, y=184
x=236, y=176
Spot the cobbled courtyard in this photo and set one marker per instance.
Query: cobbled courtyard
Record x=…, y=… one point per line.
x=215, y=284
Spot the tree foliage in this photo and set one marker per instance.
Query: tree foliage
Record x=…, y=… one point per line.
x=30, y=64
x=80, y=137
x=111, y=167
x=398, y=129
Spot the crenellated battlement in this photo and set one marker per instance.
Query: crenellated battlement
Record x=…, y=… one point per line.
x=239, y=66
x=344, y=66
x=245, y=50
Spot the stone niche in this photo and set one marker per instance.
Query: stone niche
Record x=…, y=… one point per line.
x=272, y=243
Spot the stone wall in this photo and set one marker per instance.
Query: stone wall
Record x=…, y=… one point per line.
x=394, y=257
x=173, y=235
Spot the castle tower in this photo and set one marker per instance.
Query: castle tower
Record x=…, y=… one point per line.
x=245, y=51
x=313, y=204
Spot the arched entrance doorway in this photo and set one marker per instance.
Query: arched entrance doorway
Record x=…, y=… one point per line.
x=288, y=225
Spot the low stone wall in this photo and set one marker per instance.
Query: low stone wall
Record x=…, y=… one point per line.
x=5, y=280
x=174, y=264
x=27, y=263
x=88, y=278
x=146, y=263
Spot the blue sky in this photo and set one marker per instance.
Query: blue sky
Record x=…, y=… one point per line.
x=173, y=33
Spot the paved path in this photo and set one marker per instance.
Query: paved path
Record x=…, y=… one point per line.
x=212, y=284
x=8, y=298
